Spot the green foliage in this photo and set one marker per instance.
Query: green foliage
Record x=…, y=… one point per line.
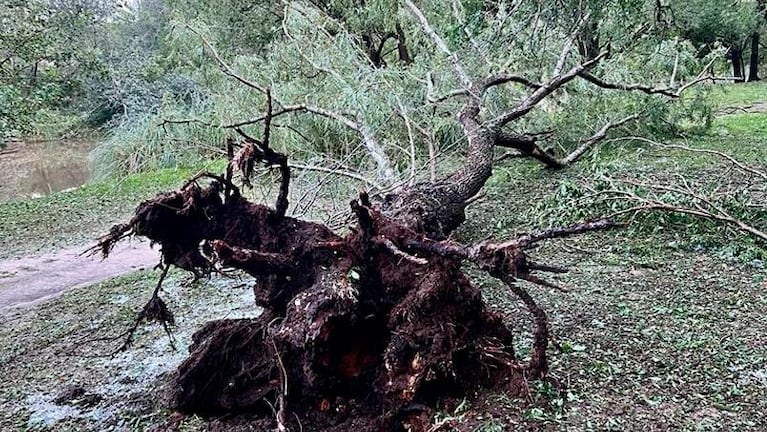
x=45, y=53
x=134, y=67
x=707, y=22
x=598, y=195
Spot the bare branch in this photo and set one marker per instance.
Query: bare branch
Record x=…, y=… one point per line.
x=700, y=206
x=224, y=66
x=671, y=92
x=599, y=82
x=722, y=217
x=599, y=136
x=541, y=93
x=596, y=225
x=457, y=66
x=498, y=79
x=527, y=146
x=183, y=121
x=375, y=149
x=451, y=94
x=285, y=110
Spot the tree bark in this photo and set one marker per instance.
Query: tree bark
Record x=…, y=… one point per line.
x=736, y=57
x=753, y=69
x=402, y=49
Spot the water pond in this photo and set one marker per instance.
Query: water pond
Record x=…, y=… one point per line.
x=30, y=169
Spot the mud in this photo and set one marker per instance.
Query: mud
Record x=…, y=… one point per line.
x=30, y=280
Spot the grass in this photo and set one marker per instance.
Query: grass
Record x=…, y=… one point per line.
x=725, y=95
x=652, y=335
x=80, y=215
x=676, y=345
x=56, y=345
x=751, y=126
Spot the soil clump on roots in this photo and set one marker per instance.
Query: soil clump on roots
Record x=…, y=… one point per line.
x=368, y=331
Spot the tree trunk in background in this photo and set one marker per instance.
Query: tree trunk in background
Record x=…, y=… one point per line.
x=588, y=41
x=402, y=49
x=736, y=56
x=753, y=68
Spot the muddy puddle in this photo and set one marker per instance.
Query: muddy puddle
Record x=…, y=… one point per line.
x=31, y=169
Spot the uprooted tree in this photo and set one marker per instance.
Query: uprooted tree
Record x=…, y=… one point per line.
x=368, y=330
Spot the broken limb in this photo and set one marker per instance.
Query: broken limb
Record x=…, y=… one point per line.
x=154, y=310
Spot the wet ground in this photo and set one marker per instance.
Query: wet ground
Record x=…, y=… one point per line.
x=30, y=280
x=31, y=169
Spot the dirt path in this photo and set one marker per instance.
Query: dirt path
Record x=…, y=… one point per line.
x=30, y=280
x=760, y=107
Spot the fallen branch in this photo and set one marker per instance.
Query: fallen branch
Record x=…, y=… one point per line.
x=701, y=206
x=599, y=136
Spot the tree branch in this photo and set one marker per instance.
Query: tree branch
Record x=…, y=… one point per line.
x=541, y=93
x=528, y=146
x=457, y=66
x=666, y=91
x=569, y=45
x=368, y=138
x=599, y=82
x=599, y=136
x=224, y=66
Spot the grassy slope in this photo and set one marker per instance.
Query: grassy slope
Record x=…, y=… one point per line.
x=80, y=215
x=653, y=336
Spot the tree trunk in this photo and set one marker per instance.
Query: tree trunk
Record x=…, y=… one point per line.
x=362, y=332
x=402, y=49
x=588, y=41
x=736, y=57
x=359, y=333
x=753, y=68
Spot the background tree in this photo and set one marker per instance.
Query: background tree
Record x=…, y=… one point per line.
x=47, y=49
x=708, y=24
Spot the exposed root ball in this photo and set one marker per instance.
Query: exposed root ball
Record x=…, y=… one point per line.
x=366, y=332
